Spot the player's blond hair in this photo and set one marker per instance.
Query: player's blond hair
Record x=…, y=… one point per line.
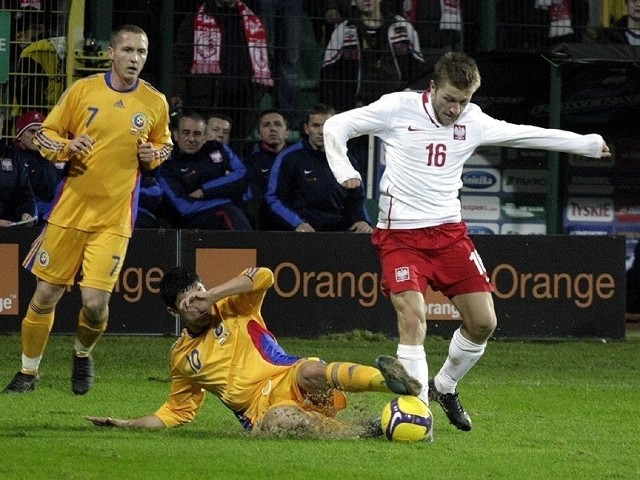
x=113, y=40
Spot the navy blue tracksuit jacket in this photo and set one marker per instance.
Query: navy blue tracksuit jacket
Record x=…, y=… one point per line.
x=302, y=189
x=215, y=169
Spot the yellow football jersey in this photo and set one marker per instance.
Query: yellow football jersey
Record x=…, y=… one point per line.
x=100, y=192
x=236, y=358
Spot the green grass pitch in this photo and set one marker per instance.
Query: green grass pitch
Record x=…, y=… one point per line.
x=541, y=410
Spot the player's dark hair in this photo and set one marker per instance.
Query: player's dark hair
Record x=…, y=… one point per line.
x=176, y=281
x=192, y=114
x=459, y=70
x=270, y=111
x=221, y=116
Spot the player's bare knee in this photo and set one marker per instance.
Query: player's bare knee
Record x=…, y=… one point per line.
x=47, y=295
x=484, y=332
x=95, y=305
x=95, y=312
x=488, y=326
x=481, y=329
x=312, y=376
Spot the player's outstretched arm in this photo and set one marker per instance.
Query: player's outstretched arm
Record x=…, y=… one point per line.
x=148, y=421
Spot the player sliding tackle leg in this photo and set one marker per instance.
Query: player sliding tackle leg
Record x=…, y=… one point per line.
x=225, y=320
x=322, y=383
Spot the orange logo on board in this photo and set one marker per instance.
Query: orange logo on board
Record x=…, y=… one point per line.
x=9, y=284
x=439, y=307
x=217, y=265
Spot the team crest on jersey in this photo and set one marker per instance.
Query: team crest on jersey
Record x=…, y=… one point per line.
x=220, y=333
x=216, y=157
x=139, y=121
x=43, y=258
x=402, y=274
x=350, y=36
x=400, y=30
x=459, y=132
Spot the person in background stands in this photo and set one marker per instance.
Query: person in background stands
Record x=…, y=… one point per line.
x=273, y=128
x=45, y=176
x=537, y=25
x=438, y=22
x=626, y=30
x=107, y=127
x=27, y=27
x=240, y=362
x=303, y=194
x=17, y=201
x=202, y=181
x=420, y=236
x=325, y=15
x=221, y=61
x=40, y=71
x=373, y=54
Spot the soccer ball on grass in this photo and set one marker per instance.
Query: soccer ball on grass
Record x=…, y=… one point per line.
x=406, y=419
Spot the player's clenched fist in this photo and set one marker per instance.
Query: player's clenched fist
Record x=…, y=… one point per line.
x=145, y=152
x=80, y=145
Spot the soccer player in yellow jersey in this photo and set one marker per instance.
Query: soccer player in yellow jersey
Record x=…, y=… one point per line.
x=107, y=127
x=226, y=349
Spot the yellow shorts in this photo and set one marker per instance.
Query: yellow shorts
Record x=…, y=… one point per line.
x=58, y=253
x=284, y=390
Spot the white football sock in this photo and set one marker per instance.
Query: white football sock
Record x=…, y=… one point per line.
x=414, y=359
x=31, y=364
x=463, y=354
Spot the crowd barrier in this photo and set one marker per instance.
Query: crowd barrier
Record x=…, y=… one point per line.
x=547, y=286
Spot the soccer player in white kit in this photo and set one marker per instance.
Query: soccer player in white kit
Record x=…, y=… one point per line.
x=420, y=236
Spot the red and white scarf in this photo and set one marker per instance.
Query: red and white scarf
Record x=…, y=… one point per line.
x=451, y=18
x=559, y=16
x=207, y=44
x=36, y=4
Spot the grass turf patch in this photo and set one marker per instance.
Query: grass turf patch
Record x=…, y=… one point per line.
x=540, y=410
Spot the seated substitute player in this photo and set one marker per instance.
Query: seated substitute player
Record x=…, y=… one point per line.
x=17, y=200
x=203, y=181
x=273, y=128
x=227, y=350
x=218, y=127
x=45, y=176
x=303, y=194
